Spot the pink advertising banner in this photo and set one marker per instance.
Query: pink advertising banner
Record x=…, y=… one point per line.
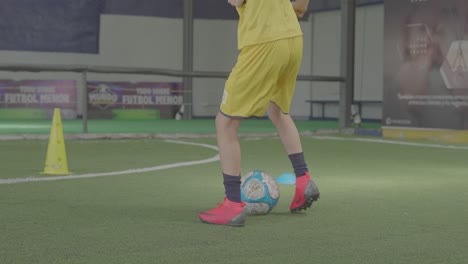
x=36, y=99
x=142, y=100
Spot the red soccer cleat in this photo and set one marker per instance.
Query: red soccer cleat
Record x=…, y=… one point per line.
x=306, y=193
x=227, y=213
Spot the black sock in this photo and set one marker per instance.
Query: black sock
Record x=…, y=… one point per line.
x=232, y=186
x=299, y=164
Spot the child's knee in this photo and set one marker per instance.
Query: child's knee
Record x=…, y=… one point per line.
x=225, y=123
x=274, y=113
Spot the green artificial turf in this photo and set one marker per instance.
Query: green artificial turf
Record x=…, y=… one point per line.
x=379, y=203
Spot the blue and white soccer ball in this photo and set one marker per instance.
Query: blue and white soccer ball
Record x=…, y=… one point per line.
x=259, y=191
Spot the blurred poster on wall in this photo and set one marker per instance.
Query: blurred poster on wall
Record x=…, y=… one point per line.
x=125, y=100
x=426, y=64
x=36, y=99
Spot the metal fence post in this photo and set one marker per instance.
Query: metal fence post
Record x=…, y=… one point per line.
x=188, y=58
x=348, y=22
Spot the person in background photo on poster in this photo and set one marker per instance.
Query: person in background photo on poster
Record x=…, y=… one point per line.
x=263, y=80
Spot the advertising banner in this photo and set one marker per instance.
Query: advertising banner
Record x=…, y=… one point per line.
x=426, y=64
x=36, y=99
x=124, y=100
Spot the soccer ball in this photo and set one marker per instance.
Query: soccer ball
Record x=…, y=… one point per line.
x=259, y=191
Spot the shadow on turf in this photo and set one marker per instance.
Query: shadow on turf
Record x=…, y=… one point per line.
x=145, y=213
x=280, y=214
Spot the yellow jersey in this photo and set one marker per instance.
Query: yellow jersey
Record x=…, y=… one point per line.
x=263, y=21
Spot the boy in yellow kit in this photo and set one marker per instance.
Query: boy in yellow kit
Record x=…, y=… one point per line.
x=263, y=80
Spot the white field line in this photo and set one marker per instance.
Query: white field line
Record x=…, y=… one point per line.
x=130, y=171
x=212, y=159
x=393, y=142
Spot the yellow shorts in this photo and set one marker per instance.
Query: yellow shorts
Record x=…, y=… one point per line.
x=263, y=73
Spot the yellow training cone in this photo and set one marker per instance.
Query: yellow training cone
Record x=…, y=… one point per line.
x=56, y=160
